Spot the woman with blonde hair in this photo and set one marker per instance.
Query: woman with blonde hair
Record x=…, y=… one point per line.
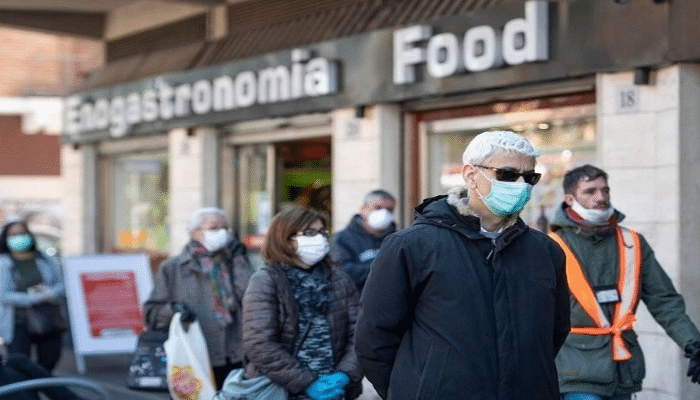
x=299, y=312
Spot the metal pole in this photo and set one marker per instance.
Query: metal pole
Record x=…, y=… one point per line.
x=53, y=382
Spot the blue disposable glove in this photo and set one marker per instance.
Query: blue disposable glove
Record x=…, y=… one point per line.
x=322, y=390
x=337, y=379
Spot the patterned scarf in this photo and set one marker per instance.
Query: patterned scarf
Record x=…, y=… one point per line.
x=310, y=288
x=212, y=265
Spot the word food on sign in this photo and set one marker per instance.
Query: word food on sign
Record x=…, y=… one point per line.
x=480, y=48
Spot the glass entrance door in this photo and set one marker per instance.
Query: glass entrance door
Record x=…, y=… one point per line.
x=272, y=176
x=255, y=192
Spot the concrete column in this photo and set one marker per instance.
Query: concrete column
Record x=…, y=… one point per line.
x=366, y=156
x=79, y=174
x=193, y=179
x=689, y=207
x=642, y=146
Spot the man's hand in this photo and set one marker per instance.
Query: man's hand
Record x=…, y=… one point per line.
x=692, y=351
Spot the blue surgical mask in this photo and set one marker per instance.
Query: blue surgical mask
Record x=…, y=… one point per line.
x=19, y=242
x=506, y=198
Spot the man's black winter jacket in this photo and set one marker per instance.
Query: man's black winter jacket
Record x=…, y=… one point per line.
x=447, y=313
x=354, y=249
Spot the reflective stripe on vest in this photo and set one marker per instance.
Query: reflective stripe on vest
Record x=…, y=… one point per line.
x=630, y=261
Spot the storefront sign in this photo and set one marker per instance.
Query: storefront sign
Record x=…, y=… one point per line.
x=482, y=47
x=514, y=43
x=305, y=77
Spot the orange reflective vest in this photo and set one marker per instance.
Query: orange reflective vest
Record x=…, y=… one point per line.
x=630, y=262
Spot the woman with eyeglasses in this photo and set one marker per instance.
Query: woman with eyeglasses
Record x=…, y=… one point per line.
x=299, y=312
x=28, y=278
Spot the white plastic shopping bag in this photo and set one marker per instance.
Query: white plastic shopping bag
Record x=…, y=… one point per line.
x=189, y=372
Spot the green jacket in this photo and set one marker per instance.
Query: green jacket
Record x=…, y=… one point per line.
x=585, y=363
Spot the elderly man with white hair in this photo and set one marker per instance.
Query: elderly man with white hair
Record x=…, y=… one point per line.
x=205, y=281
x=468, y=302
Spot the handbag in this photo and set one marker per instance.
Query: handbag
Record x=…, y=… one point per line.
x=46, y=318
x=148, y=367
x=237, y=387
x=189, y=373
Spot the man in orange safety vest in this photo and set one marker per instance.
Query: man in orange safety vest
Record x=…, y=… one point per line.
x=609, y=269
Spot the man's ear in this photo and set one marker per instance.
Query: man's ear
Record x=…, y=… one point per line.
x=569, y=199
x=469, y=175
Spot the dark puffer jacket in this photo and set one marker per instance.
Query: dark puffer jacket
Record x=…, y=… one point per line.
x=448, y=314
x=270, y=329
x=354, y=249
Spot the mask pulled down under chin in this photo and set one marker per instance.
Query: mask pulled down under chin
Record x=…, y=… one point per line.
x=313, y=249
x=593, y=215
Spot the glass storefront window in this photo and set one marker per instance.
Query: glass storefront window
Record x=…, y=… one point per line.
x=565, y=137
x=140, y=202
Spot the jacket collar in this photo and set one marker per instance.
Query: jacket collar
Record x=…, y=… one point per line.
x=458, y=197
x=452, y=211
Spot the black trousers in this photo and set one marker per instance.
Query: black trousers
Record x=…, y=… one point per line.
x=221, y=372
x=48, y=347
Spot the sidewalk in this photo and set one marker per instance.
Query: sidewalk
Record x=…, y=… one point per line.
x=110, y=371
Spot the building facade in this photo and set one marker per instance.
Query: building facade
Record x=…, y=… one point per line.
x=251, y=106
x=39, y=69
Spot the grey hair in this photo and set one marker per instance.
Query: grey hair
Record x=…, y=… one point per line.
x=486, y=144
x=378, y=194
x=197, y=217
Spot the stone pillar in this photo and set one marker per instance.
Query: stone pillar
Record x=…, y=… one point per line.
x=689, y=207
x=366, y=155
x=647, y=148
x=79, y=173
x=193, y=179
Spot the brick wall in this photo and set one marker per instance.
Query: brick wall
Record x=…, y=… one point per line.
x=45, y=65
x=26, y=155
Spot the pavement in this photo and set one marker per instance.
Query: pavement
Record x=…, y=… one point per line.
x=110, y=371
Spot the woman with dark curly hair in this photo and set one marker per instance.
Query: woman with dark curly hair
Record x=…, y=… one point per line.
x=299, y=312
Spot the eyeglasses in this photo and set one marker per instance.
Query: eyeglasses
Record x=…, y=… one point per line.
x=313, y=232
x=512, y=175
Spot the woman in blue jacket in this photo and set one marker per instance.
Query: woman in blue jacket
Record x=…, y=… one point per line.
x=27, y=278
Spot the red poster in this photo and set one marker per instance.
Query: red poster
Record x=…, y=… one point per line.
x=112, y=303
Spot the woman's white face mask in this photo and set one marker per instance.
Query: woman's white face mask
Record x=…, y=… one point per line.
x=215, y=240
x=312, y=249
